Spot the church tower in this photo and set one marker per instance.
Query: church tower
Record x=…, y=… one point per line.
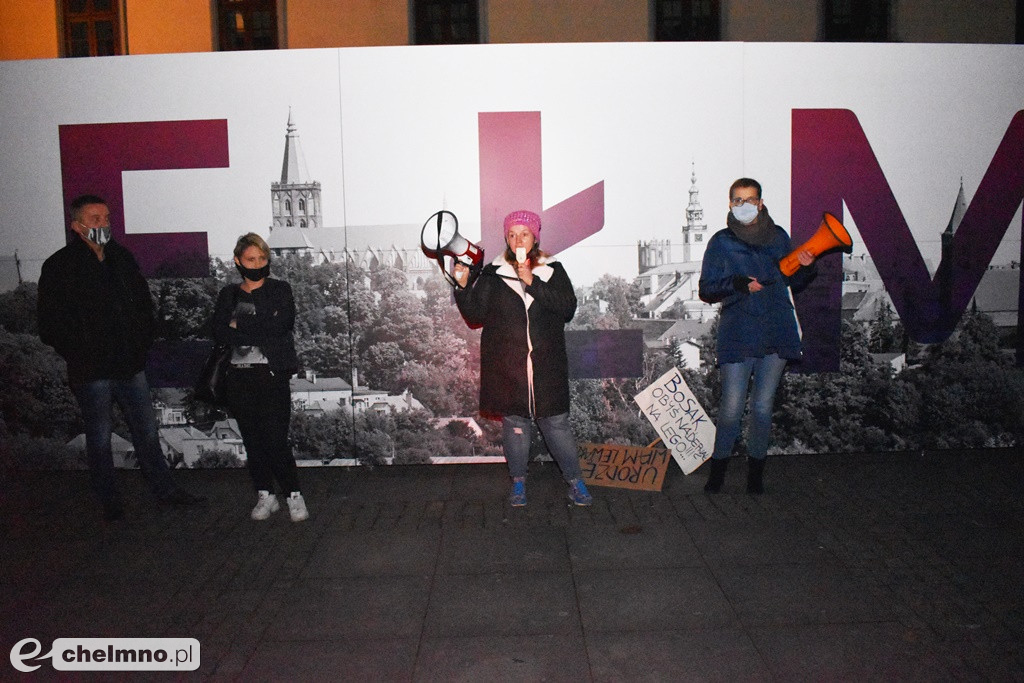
x=695, y=230
x=945, y=274
x=296, y=198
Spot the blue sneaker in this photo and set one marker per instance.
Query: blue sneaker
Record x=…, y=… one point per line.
x=517, y=498
x=579, y=494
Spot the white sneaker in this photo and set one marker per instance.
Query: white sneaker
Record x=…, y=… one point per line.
x=297, y=507
x=265, y=505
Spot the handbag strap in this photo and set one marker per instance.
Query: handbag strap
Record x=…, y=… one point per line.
x=234, y=302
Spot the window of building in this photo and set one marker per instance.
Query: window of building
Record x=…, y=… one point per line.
x=92, y=28
x=1020, y=22
x=247, y=24
x=687, y=20
x=856, y=21
x=445, y=22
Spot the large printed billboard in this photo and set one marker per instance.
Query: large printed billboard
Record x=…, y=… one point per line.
x=627, y=150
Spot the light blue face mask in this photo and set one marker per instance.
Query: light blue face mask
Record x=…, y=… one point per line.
x=99, y=236
x=745, y=213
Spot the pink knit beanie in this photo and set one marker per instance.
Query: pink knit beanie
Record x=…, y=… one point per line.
x=527, y=219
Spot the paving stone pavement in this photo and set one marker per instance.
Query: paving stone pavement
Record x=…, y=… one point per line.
x=850, y=567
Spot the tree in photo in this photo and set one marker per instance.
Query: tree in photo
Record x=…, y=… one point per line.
x=217, y=459
x=184, y=307
x=321, y=437
x=972, y=396
x=36, y=400
x=611, y=304
x=18, y=309
x=885, y=333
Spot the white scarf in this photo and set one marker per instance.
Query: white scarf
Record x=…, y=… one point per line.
x=542, y=269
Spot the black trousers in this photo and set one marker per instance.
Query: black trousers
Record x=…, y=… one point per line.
x=261, y=403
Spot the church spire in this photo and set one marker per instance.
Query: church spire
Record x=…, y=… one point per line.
x=296, y=198
x=693, y=231
x=293, y=169
x=959, y=209
x=944, y=273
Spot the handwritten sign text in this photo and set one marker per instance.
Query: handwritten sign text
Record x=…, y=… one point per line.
x=679, y=419
x=631, y=467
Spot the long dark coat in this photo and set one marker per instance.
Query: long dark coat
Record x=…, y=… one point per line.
x=523, y=338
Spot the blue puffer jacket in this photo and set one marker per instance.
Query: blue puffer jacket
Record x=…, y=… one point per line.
x=752, y=325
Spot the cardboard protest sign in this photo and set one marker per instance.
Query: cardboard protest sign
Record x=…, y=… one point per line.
x=630, y=467
x=679, y=419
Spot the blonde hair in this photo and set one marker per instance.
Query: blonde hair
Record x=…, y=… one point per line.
x=251, y=239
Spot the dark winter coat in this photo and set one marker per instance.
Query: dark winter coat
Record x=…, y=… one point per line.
x=271, y=327
x=98, y=315
x=758, y=324
x=523, y=337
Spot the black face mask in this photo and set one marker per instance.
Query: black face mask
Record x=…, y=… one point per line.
x=253, y=274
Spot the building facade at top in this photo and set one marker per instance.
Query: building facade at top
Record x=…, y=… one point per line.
x=41, y=29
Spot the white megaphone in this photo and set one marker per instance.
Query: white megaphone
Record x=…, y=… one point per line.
x=440, y=237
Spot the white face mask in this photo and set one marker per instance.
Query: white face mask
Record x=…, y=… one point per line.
x=745, y=213
x=99, y=236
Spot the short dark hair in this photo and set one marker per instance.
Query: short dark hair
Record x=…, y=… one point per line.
x=82, y=201
x=745, y=182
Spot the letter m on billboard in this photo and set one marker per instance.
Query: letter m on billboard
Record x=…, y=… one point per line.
x=833, y=163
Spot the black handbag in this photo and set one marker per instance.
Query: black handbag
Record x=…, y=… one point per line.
x=210, y=387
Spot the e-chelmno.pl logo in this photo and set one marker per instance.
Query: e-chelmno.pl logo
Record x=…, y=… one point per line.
x=110, y=654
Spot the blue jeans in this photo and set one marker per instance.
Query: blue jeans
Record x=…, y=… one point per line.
x=516, y=434
x=96, y=400
x=767, y=372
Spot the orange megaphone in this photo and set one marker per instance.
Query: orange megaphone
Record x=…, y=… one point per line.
x=830, y=234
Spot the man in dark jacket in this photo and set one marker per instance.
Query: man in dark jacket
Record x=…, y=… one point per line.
x=96, y=312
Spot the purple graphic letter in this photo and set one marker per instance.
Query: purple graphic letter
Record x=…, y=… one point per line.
x=93, y=156
x=832, y=163
x=510, y=179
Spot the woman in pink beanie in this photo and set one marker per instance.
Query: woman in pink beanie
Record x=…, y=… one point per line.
x=523, y=299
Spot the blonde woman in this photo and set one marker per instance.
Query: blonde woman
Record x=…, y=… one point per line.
x=256, y=317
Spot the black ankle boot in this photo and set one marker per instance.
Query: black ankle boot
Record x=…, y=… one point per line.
x=755, y=475
x=716, y=477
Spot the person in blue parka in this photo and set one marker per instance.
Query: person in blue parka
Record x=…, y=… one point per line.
x=757, y=331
